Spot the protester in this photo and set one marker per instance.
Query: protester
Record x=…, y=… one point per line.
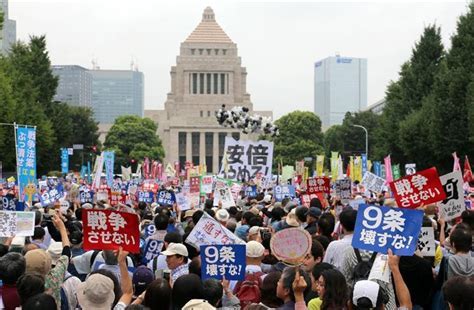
x=177, y=260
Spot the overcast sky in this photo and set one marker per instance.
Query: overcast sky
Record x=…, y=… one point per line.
x=278, y=41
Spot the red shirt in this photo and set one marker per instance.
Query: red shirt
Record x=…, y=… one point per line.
x=10, y=297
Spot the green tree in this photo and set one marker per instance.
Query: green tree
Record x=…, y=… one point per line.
x=300, y=136
x=133, y=137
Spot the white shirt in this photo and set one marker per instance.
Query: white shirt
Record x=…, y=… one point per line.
x=336, y=249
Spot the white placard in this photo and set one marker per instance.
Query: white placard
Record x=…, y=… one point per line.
x=426, y=241
x=223, y=194
x=454, y=204
x=17, y=223
x=372, y=182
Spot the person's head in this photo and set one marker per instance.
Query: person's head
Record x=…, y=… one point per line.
x=41, y=301
x=324, y=240
x=195, y=266
x=254, y=234
x=109, y=274
x=142, y=276
x=461, y=239
x=38, y=261
x=222, y=216
x=368, y=295
x=158, y=295
x=277, y=213
x=316, y=273
x=173, y=237
x=332, y=289
x=316, y=203
x=326, y=224
x=197, y=216
x=38, y=234
x=315, y=256
x=12, y=266
x=231, y=225
x=301, y=213
x=97, y=292
x=109, y=257
x=212, y=291
x=161, y=221
x=467, y=217
x=3, y=250
x=285, y=284
x=208, y=204
x=348, y=218
x=29, y=247
x=38, y=217
x=458, y=291
x=185, y=288
x=29, y=285
x=268, y=290
x=176, y=255
x=313, y=214
x=254, y=252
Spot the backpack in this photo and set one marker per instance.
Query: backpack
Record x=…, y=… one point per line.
x=248, y=290
x=362, y=269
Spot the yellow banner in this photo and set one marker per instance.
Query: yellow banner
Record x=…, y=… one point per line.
x=357, y=169
x=319, y=165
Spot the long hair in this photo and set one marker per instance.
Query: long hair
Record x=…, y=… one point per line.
x=335, y=290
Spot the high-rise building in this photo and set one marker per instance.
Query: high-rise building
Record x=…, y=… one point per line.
x=208, y=73
x=8, y=33
x=340, y=86
x=116, y=93
x=74, y=86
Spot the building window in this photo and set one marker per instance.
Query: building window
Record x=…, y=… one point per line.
x=222, y=83
x=201, y=83
x=202, y=113
x=193, y=51
x=224, y=52
x=208, y=113
x=216, y=51
x=208, y=51
x=227, y=82
x=216, y=83
x=222, y=136
x=200, y=51
x=182, y=144
x=195, y=147
x=195, y=83
x=209, y=163
x=209, y=137
x=209, y=83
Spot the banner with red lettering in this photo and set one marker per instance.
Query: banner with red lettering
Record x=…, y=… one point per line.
x=318, y=185
x=424, y=187
x=108, y=230
x=194, y=184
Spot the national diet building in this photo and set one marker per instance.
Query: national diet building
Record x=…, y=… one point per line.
x=208, y=74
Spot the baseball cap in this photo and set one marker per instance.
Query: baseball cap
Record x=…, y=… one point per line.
x=254, y=249
x=198, y=304
x=141, y=278
x=38, y=261
x=222, y=215
x=176, y=249
x=97, y=292
x=367, y=289
x=314, y=212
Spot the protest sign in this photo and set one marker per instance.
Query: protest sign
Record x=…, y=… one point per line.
x=194, y=184
x=145, y=196
x=25, y=158
x=108, y=230
x=424, y=187
x=381, y=228
x=380, y=270
x=8, y=202
x=152, y=249
x=218, y=261
x=287, y=173
x=64, y=161
x=318, y=185
x=291, y=245
x=426, y=242
x=102, y=195
x=109, y=157
x=183, y=202
x=372, y=182
x=208, y=231
x=251, y=191
x=165, y=198
x=355, y=203
x=410, y=169
x=206, y=184
x=245, y=159
x=50, y=196
x=453, y=205
x=117, y=197
x=223, y=194
x=344, y=189
x=235, y=189
x=15, y=223
x=283, y=191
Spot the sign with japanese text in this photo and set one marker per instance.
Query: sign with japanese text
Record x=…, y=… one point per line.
x=318, y=185
x=183, y=202
x=145, y=196
x=165, y=198
x=381, y=228
x=372, y=182
x=50, y=196
x=194, y=184
x=291, y=245
x=208, y=231
x=344, y=189
x=410, y=169
x=251, y=191
x=453, y=205
x=19, y=224
x=223, y=195
x=424, y=187
x=218, y=261
x=25, y=158
x=108, y=230
x=109, y=157
x=246, y=159
x=8, y=202
x=64, y=161
x=206, y=184
x=426, y=242
x=152, y=249
x=283, y=191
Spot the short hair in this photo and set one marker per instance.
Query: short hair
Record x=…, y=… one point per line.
x=12, y=266
x=461, y=239
x=231, y=225
x=78, y=214
x=247, y=216
x=324, y=240
x=317, y=249
x=209, y=203
x=142, y=205
x=3, y=250
x=161, y=221
x=195, y=266
x=209, y=211
x=109, y=257
x=277, y=213
x=326, y=223
x=173, y=237
x=269, y=288
x=288, y=277
x=29, y=285
x=185, y=288
x=348, y=219
x=197, y=216
x=158, y=292
x=315, y=202
x=468, y=218
x=459, y=292
x=40, y=301
x=319, y=268
x=212, y=291
x=255, y=221
x=38, y=233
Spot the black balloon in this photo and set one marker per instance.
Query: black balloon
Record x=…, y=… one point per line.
x=239, y=117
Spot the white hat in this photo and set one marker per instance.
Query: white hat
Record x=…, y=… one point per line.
x=175, y=249
x=292, y=219
x=198, y=304
x=97, y=292
x=55, y=250
x=367, y=289
x=267, y=198
x=253, y=230
x=222, y=215
x=254, y=249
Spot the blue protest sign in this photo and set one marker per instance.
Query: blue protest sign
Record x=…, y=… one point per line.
x=149, y=230
x=377, y=168
x=86, y=196
x=364, y=164
x=50, y=196
x=152, y=249
x=145, y=197
x=7, y=203
x=283, y=191
x=382, y=228
x=25, y=158
x=251, y=191
x=165, y=198
x=64, y=161
x=219, y=261
x=109, y=157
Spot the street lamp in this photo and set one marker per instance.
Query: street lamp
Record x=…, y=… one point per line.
x=366, y=139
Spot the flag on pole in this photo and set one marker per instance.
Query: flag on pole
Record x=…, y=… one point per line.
x=467, y=171
x=457, y=165
x=388, y=169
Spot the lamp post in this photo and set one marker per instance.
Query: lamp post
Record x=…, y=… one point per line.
x=366, y=139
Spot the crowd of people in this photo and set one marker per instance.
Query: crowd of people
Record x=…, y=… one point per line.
x=52, y=270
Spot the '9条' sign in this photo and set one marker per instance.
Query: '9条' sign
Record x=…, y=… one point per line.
x=414, y=190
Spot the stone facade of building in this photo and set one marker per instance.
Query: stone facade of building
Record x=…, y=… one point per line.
x=208, y=74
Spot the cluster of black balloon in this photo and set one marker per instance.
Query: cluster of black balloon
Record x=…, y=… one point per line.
x=239, y=117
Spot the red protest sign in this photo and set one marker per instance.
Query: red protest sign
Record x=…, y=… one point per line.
x=107, y=230
x=194, y=184
x=424, y=187
x=318, y=185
